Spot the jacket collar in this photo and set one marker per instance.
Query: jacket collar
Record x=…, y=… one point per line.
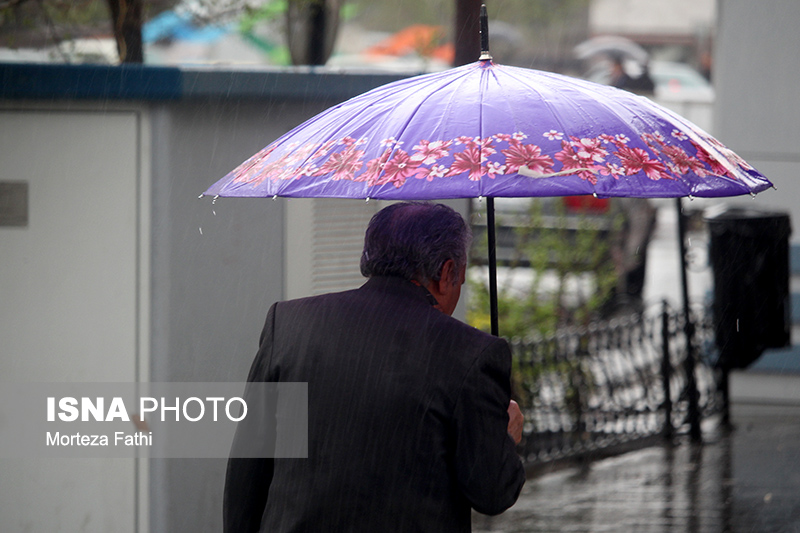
x=400, y=286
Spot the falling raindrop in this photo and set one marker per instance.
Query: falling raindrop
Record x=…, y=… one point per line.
x=274, y=197
x=214, y=211
x=214, y=200
x=201, y=230
x=367, y=199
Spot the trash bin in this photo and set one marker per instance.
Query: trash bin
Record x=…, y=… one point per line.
x=749, y=255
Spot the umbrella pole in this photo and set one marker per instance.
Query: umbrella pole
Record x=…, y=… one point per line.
x=490, y=231
x=690, y=361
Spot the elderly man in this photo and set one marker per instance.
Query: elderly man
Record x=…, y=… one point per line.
x=411, y=425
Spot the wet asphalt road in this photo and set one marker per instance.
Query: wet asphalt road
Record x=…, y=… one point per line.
x=744, y=480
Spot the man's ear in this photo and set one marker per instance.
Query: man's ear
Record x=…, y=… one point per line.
x=438, y=288
x=447, y=289
x=447, y=276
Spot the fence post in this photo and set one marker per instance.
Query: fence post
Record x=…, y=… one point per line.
x=689, y=365
x=666, y=370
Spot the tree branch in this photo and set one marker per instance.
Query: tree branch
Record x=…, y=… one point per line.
x=126, y=18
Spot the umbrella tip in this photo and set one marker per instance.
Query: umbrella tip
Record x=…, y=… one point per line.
x=485, y=55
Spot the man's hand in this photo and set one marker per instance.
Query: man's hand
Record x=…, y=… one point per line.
x=515, y=421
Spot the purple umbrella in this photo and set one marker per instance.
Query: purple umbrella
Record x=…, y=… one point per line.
x=494, y=131
x=489, y=130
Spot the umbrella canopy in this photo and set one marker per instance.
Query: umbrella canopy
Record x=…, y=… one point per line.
x=490, y=130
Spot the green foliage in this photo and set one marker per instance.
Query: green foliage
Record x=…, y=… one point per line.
x=255, y=22
x=251, y=18
x=567, y=257
x=266, y=12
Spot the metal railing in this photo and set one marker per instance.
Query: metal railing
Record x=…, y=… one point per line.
x=613, y=384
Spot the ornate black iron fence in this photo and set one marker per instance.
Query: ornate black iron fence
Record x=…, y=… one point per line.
x=585, y=391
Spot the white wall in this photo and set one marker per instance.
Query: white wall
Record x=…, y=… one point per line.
x=757, y=75
x=216, y=268
x=324, y=239
x=73, y=296
x=651, y=16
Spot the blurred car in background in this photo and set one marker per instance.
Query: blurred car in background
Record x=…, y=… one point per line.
x=673, y=81
x=679, y=81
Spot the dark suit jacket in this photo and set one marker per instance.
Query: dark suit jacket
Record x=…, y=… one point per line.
x=407, y=418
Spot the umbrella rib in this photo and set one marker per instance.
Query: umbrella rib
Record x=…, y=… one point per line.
x=526, y=83
x=671, y=118
x=684, y=182
x=390, y=95
x=690, y=130
x=482, y=81
x=461, y=80
x=601, y=97
x=604, y=98
x=383, y=94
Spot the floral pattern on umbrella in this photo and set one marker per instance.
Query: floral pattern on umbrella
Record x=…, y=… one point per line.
x=500, y=154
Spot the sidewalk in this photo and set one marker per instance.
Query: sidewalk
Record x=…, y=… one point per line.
x=745, y=480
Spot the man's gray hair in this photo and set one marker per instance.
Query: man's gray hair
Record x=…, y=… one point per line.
x=412, y=240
